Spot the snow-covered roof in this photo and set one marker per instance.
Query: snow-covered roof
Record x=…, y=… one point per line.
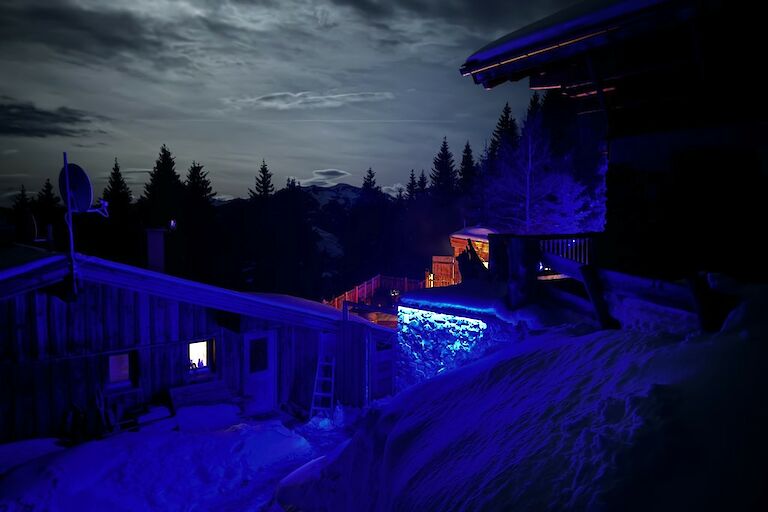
x=47, y=271
x=583, y=26
x=477, y=233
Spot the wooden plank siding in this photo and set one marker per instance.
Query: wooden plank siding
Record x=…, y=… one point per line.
x=54, y=354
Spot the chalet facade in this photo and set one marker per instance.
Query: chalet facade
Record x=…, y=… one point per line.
x=129, y=336
x=656, y=81
x=445, y=268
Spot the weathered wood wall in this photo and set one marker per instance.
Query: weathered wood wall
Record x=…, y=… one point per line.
x=54, y=355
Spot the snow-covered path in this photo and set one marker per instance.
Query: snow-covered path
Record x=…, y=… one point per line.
x=233, y=468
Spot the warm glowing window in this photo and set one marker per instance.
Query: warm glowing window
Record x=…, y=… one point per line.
x=120, y=369
x=200, y=355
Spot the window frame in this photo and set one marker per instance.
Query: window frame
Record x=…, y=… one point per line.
x=133, y=370
x=207, y=373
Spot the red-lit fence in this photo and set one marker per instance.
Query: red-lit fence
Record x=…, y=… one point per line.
x=364, y=292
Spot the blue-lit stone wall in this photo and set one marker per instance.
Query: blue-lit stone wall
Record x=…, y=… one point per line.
x=431, y=343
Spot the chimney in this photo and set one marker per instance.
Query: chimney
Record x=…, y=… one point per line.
x=156, y=249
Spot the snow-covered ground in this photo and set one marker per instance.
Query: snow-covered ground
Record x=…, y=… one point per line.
x=214, y=461
x=612, y=420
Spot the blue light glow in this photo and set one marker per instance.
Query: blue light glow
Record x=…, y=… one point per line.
x=431, y=343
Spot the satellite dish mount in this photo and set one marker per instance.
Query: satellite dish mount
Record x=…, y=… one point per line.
x=75, y=187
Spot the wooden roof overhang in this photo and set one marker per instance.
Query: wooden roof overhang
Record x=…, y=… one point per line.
x=583, y=28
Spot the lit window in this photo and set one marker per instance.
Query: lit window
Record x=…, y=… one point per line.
x=120, y=369
x=200, y=355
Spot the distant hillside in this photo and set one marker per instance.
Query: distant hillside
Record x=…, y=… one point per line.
x=345, y=194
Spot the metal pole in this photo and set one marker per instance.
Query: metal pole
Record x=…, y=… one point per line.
x=70, y=225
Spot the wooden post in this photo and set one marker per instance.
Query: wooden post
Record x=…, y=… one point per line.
x=523, y=255
x=595, y=291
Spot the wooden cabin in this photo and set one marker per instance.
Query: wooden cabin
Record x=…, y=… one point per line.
x=445, y=269
x=664, y=86
x=104, y=338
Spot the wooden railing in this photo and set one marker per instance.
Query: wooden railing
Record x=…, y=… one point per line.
x=576, y=248
x=364, y=292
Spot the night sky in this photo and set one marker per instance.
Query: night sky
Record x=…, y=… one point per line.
x=321, y=90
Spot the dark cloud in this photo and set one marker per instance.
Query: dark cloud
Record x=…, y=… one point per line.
x=325, y=177
x=490, y=14
x=306, y=100
x=19, y=119
x=330, y=173
x=87, y=35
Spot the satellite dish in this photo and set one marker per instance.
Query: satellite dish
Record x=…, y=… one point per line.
x=80, y=189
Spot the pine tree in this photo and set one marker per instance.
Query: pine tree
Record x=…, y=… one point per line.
x=369, y=182
x=263, y=187
x=117, y=193
x=467, y=170
x=198, y=187
x=21, y=201
x=291, y=184
x=443, y=175
x=505, y=137
x=422, y=184
x=163, y=192
x=533, y=191
x=46, y=204
x=412, y=188
x=21, y=208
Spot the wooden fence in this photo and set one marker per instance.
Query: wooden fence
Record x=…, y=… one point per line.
x=364, y=292
x=571, y=247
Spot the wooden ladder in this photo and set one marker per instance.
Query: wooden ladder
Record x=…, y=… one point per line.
x=322, y=396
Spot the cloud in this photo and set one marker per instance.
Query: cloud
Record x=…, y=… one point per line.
x=491, y=14
x=330, y=173
x=20, y=119
x=90, y=34
x=306, y=100
x=392, y=190
x=10, y=151
x=90, y=145
x=325, y=177
x=13, y=176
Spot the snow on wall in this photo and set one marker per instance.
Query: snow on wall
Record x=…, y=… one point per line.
x=614, y=420
x=432, y=342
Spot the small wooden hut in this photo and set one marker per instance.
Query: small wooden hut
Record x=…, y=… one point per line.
x=130, y=336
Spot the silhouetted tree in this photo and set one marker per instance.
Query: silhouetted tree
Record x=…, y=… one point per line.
x=46, y=205
x=443, y=175
x=21, y=201
x=534, y=191
x=467, y=170
x=369, y=182
x=117, y=193
x=199, y=191
x=163, y=193
x=263, y=187
x=21, y=210
x=292, y=184
x=422, y=185
x=504, y=140
x=412, y=188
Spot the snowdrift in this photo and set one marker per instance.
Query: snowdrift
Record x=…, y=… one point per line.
x=197, y=469
x=613, y=420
